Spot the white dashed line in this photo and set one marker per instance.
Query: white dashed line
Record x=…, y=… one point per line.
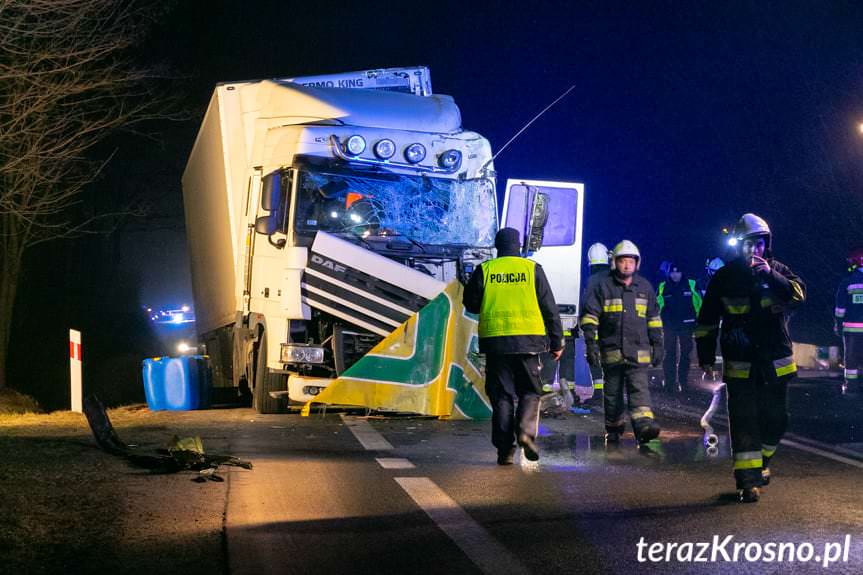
x=366, y=434
x=394, y=463
x=480, y=547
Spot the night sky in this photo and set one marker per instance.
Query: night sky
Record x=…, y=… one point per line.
x=684, y=116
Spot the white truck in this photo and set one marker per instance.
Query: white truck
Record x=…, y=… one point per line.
x=321, y=212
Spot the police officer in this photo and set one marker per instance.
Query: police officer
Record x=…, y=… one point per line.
x=849, y=317
x=679, y=303
x=623, y=333
x=518, y=321
x=751, y=298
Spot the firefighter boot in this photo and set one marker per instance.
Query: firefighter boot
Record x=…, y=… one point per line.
x=749, y=494
x=647, y=431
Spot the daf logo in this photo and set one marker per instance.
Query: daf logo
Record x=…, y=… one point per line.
x=329, y=264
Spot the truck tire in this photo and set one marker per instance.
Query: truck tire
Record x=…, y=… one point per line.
x=265, y=382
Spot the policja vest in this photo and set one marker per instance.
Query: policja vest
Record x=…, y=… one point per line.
x=509, y=304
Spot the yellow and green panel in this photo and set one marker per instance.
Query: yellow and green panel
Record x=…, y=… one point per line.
x=429, y=365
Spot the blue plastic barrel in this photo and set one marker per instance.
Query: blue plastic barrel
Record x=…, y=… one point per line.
x=177, y=383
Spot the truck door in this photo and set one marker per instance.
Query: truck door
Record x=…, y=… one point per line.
x=551, y=214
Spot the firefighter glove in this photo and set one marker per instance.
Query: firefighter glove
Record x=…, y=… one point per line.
x=594, y=358
x=656, y=355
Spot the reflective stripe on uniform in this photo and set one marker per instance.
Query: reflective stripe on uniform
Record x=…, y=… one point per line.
x=736, y=305
x=654, y=322
x=747, y=460
x=643, y=356
x=855, y=288
x=796, y=291
x=642, y=413
x=612, y=356
x=784, y=366
x=641, y=307
x=851, y=373
x=598, y=384
x=767, y=451
x=839, y=312
x=589, y=319
x=766, y=301
x=737, y=369
x=703, y=330
x=612, y=305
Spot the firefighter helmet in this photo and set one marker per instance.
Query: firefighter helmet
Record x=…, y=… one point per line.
x=712, y=265
x=597, y=255
x=750, y=226
x=627, y=248
x=855, y=258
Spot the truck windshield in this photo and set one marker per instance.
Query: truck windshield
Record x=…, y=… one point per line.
x=429, y=211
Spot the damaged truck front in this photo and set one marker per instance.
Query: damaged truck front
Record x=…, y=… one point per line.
x=322, y=213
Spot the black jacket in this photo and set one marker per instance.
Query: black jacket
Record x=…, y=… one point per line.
x=753, y=310
x=678, y=312
x=849, y=302
x=553, y=340
x=623, y=319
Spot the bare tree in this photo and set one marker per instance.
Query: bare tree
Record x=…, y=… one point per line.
x=67, y=81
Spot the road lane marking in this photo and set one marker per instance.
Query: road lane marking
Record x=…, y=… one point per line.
x=394, y=463
x=477, y=543
x=366, y=434
x=795, y=443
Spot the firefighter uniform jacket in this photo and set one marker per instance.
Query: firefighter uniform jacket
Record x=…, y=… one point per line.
x=496, y=289
x=623, y=319
x=849, y=303
x=753, y=310
x=679, y=304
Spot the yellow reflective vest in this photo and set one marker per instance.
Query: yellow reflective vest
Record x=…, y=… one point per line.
x=509, y=303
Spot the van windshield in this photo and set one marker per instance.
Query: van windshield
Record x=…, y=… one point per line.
x=429, y=211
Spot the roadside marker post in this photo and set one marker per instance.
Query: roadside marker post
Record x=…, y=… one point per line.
x=75, y=370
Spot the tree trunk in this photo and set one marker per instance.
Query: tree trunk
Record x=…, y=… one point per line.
x=11, y=255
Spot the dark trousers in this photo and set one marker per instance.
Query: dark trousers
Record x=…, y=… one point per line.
x=678, y=351
x=511, y=377
x=853, y=357
x=758, y=416
x=633, y=379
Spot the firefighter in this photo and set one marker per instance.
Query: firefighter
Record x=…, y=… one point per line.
x=679, y=303
x=599, y=263
x=849, y=317
x=623, y=334
x=518, y=321
x=711, y=266
x=751, y=298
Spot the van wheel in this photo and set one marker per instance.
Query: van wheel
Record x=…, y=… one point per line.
x=265, y=382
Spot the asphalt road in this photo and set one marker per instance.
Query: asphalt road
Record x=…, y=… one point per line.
x=336, y=493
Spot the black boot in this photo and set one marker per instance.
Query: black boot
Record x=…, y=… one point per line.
x=531, y=451
x=749, y=494
x=505, y=456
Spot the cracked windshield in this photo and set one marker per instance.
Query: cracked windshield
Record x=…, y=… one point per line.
x=430, y=211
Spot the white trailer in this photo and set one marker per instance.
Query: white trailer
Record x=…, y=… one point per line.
x=322, y=212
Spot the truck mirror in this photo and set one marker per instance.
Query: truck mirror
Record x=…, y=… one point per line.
x=538, y=219
x=271, y=190
x=266, y=225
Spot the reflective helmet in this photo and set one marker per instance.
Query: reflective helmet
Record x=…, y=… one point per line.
x=855, y=258
x=627, y=248
x=750, y=226
x=712, y=265
x=598, y=255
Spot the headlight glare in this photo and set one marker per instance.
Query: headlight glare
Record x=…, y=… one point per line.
x=296, y=353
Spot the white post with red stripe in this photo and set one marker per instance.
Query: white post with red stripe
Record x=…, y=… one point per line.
x=75, y=370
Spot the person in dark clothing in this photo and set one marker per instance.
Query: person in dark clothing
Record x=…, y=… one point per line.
x=747, y=306
x=518, y=321
x=848, y=315
x=679, y=303
x=623, y=333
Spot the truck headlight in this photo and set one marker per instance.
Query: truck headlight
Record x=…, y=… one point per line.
x=450, y=159
x=415, y=153
x=297, y=353
x=355, y=145
x=384, y=149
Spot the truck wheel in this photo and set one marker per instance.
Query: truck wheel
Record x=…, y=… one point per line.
x=265, y=382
